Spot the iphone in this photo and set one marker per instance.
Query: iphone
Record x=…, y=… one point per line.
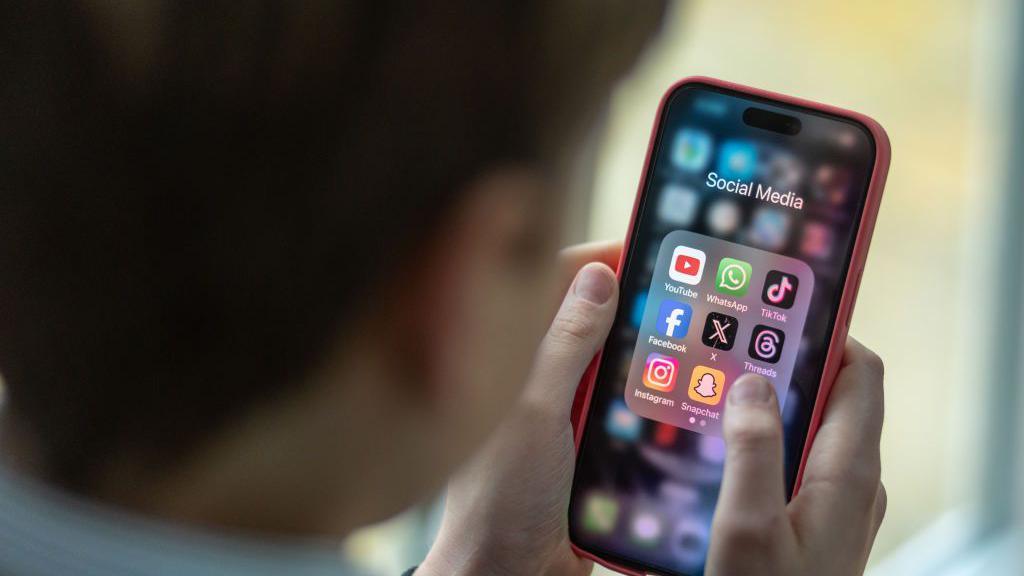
x=744, y=254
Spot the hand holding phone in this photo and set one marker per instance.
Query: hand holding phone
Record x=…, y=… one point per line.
x=505, y=512
x=507, y=509
x=830, y=525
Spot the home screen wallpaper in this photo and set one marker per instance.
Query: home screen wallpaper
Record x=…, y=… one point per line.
x=740, y=251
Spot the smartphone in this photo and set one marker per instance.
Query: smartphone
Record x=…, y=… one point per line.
x=744, y=254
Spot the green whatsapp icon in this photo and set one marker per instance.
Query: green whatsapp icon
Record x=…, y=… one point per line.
x=733, y=277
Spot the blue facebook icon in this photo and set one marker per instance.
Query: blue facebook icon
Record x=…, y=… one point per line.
x=674, y=319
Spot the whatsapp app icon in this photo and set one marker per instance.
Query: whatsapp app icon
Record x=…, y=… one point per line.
x=733, y=277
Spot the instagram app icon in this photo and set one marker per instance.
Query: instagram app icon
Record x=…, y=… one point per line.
x=660, y=372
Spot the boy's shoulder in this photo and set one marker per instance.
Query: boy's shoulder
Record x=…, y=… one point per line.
x=44, y=532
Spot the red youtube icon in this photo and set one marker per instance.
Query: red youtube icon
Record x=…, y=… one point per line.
x=687, y=265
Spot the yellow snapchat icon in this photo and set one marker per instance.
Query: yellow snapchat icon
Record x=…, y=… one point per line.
x=706, y=385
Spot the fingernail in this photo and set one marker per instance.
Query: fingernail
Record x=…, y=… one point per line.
x=750, y=389
x=595, y=283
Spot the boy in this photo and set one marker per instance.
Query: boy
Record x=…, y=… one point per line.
x=272, y=271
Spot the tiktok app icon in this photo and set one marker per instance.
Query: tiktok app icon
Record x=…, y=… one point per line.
x=780, y=289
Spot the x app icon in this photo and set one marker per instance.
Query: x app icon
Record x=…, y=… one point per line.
x=719, y=331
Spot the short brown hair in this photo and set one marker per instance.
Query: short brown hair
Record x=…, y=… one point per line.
x=195, y=195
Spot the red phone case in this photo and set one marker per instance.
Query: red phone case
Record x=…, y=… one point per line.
x=581, y=403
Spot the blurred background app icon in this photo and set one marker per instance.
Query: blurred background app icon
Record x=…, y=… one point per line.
x=737, y=160
x=646, y=528
x=665, y=435
x=691, y=150
x=781, y=170
x=723, y=217
x=689, y=540
x=600, y=513
x=769, y=229
x=621, y=422
x=831, y=184
x=816, y=240
x=678, y=205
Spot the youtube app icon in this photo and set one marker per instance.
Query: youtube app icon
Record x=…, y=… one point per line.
x=687, y=265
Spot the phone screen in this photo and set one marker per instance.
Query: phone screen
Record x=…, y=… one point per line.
x=740, y=248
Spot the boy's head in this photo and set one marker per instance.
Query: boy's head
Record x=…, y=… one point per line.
x=282, y=239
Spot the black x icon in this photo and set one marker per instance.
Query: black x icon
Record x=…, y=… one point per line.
x=719, y=331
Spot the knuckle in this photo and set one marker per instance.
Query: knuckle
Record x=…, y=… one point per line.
x=858, y=485
x=754, y=434
x=863, y=496
x=572, y=328
x=862, y=486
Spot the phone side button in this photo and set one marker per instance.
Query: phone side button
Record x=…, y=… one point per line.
x=856, y=292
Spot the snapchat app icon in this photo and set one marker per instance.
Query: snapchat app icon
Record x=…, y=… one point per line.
x=706, y=385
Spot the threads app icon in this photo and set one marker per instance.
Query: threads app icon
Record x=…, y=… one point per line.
x=766, y=344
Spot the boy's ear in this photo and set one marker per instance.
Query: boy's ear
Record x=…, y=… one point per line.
x=445, y=310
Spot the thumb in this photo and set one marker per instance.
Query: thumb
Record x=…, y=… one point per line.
x=576, y=334
x=751, y=504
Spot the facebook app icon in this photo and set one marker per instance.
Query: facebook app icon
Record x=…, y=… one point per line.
x=674, y=319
